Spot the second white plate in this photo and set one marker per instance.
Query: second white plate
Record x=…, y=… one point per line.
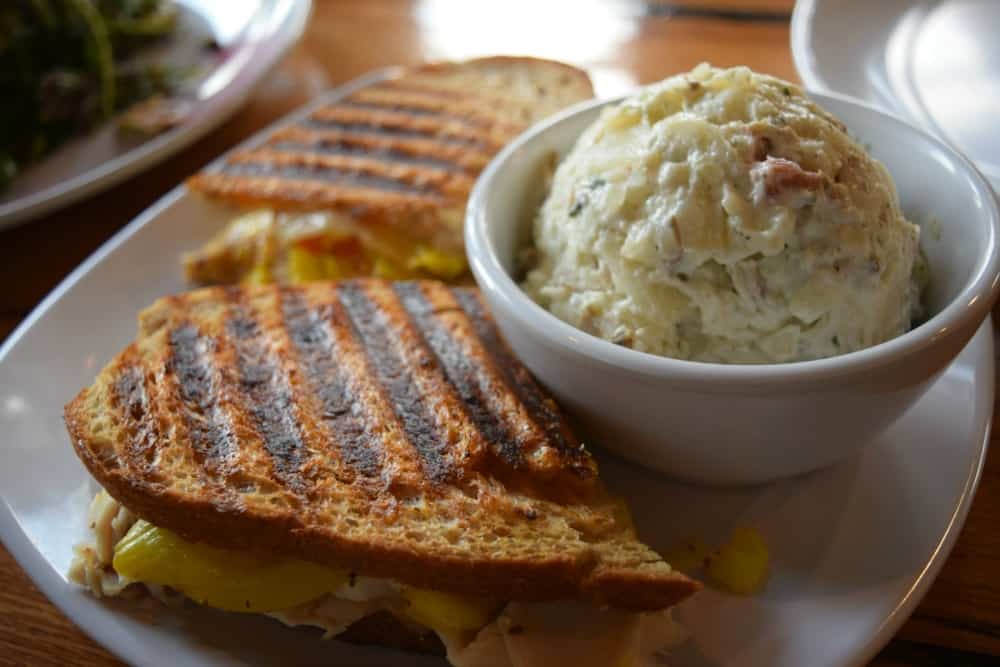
x=935, y=63
x=252, y=37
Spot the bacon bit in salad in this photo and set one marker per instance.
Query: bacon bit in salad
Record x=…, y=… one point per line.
x=761, y=148
x=780, y=176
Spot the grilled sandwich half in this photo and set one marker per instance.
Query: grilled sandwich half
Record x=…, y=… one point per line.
x=366, y=457
x=376, y=183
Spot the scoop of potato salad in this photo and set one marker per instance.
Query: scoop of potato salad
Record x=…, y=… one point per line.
x=722, y=216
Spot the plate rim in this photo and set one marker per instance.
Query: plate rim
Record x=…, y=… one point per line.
x=801, y=30
x=28, y=557
x=803, y=16
x=231, y=99
x=890, y=626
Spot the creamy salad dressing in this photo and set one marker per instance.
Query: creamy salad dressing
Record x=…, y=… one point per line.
x=722, y=216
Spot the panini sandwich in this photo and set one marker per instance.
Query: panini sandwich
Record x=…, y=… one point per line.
x=369, y=458
x=376, y=183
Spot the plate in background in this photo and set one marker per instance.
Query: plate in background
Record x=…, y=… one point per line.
x=854, y=547
x=252, y=37
x=935, y=63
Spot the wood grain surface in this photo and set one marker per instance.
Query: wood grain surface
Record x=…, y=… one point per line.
x=621, y=43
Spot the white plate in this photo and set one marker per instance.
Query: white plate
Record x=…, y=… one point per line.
x=253, y=36
x=854, y=547
x=934, y=62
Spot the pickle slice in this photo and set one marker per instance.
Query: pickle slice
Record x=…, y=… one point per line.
x=220, y=578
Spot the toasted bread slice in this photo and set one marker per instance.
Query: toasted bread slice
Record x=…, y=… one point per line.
x=391, y=164
x=382, y=427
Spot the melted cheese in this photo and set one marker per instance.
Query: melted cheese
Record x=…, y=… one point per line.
x=220, y=578
x=299, y=248
x=236, y=581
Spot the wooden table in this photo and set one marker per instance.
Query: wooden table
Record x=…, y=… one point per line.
x=621, y=43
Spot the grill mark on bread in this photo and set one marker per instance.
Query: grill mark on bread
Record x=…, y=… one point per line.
x=209, y=431
x=461, y=371
x=346, y=149
x=457, y=157
x=401, y=132
x=478, y=111
x=266, y=393
x=320, y=359
x=402, y=470
x=381, y=121
x=424, y=110
x=397, y=379
x=517, y=377
x=131, y=399
x=399, y=108
x=363, y=171
x=131, y=392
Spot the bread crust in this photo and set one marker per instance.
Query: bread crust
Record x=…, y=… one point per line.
x=579, y=76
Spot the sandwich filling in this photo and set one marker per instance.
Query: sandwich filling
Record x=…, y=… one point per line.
x=263, y=246
x=127, y=552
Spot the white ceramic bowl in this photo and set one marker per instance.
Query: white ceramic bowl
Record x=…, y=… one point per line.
x=726, y=424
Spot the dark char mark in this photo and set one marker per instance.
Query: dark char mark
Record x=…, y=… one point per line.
x=130, y=395
x=190, y=360
x=318, y=356
x=383, y=130
x=347, y=149
x=417, y=111
x=370, y=330
x=460, y=372
x=516, y=375
x=268, y=398
x=400, y=108
x=327, y=175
